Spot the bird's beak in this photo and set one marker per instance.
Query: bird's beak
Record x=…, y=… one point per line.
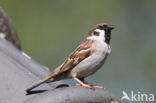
x=110, y=27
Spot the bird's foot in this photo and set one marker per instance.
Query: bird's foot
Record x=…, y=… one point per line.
x=96, y=86
x=85, y=85
x=90, y=86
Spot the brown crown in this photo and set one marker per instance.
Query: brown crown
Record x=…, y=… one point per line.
x=96, y=27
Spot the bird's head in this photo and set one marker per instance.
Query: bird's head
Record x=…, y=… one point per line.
x=101, y=32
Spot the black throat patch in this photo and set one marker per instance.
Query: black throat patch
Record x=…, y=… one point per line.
x=107, y=33
x=107, y=36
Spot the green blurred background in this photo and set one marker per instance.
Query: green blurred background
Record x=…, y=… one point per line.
x=50, y=30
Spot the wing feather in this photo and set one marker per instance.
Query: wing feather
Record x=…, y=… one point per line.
x=83, y=51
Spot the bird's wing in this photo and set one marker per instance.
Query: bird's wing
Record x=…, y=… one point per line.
x=83, y=51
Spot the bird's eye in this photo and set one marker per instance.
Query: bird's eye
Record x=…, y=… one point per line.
x=96, y=33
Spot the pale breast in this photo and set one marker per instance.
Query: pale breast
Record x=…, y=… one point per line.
x=92, y=63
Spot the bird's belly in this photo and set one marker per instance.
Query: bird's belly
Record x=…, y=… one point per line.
x=89, y=66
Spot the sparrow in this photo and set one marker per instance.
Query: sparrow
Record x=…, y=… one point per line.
x=85, y=60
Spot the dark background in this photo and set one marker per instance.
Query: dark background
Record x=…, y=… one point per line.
x=50, y=30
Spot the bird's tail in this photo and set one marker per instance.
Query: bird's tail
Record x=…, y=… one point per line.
x=44, y=80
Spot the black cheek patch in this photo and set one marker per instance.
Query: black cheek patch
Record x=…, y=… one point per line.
x=96, y=33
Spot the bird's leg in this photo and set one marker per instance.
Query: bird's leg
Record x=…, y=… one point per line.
x=82, y=83
x=82, y=79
